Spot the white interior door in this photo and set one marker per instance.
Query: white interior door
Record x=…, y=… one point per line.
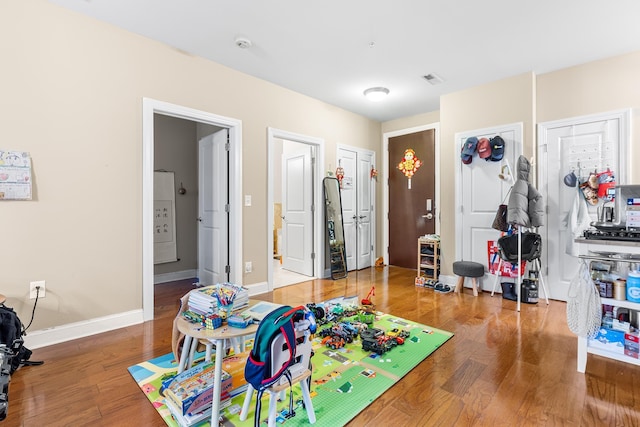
x=357, y=205
x=297, y=213
x=479, y=192
x=213, y=219
x=582, y=145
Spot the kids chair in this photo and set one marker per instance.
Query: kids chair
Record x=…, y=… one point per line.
x=300, y=373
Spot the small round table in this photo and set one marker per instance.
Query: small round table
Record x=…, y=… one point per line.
x=193, y=332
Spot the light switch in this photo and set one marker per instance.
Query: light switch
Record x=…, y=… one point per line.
x=247, y=199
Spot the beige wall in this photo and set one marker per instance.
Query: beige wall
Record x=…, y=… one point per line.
x=72, y=91
x=494, y=104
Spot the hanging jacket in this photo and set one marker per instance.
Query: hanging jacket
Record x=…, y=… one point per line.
x=525, y=207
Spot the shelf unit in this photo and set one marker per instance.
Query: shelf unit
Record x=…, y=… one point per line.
x=618, y=250
x=428, y=259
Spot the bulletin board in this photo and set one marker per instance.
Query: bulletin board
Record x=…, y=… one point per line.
x=164, y=218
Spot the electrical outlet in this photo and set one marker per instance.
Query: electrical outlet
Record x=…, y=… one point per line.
x=248, y=267
x=39, y=292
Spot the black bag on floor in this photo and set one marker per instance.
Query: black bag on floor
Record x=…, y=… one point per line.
x=11, y=332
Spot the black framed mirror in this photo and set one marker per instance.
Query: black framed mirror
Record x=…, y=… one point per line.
x=335, y=228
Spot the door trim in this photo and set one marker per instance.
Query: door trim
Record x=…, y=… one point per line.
x=318, y=213
x=149, y=108
x=385, y=179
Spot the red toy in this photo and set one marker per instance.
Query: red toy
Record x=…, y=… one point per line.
x=367, y=300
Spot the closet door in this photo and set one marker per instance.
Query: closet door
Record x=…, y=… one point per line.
x=357, y=205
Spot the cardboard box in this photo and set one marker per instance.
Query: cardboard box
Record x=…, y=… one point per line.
x=631, y=344
x=192, y=390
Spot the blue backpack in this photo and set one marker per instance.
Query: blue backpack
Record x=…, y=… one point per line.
x=257, y=371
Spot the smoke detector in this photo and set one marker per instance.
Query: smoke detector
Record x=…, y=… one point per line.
x=243, y=43
x=434, y=79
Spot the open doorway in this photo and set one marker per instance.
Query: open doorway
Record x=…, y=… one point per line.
x=233, y=126
x=296, y=243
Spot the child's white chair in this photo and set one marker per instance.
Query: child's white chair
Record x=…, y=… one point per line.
x=299, y=370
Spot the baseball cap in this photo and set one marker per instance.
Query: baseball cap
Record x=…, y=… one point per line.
x=468, y=150
x=484, y=148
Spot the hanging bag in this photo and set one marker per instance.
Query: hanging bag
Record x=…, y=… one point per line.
x=584, y=309
x=500, y=221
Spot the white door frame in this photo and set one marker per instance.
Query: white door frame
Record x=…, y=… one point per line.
x=149, y=108
x=385, y=179
x=318, y=212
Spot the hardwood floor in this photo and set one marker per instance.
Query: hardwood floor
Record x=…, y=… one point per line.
x=502, y=368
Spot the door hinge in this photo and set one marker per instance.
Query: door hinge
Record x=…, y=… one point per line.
x=227, y=146
x=227, y=269
x=227, y=208
x=313, y=208
x=313, y=255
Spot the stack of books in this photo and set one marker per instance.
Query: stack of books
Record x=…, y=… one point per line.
x=209, y=299
x=189, y=395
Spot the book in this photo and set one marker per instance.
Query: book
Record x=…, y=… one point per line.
x=192, y=390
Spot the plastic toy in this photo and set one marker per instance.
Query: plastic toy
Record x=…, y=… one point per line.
x=333, y=341
x=367, y=299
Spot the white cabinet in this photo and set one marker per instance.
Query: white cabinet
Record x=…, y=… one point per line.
x=612, y=251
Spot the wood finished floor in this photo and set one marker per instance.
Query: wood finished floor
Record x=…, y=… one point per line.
x=502, y=368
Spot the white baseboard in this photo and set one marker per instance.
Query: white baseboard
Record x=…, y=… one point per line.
x=257, y=288
x=72, y=331
x=176, y=275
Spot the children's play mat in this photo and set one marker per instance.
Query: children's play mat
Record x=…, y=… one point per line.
x=344, y=381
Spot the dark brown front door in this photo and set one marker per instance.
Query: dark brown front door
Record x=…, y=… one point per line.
x=408, y=206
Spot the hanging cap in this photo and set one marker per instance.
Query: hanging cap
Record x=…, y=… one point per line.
x=468, y=150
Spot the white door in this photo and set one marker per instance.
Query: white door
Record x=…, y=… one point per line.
x=357, y=205
x=582, y=145
x=297, y=213
x=479, y=192
x=213, y=219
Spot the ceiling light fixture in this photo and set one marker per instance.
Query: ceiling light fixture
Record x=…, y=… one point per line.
x=376, y=93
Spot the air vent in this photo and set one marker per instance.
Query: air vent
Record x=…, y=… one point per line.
x=434, y=79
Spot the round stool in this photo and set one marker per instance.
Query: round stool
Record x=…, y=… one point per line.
x=468, y=269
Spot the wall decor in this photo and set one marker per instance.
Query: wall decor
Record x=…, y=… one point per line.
x=409, y=164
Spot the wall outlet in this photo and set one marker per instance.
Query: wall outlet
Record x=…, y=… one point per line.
x=33, y=291
x=248, y=267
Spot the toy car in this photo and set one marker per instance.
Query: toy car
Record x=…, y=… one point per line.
x=333, y=341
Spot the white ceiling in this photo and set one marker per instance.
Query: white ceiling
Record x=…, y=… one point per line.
x=333, y=50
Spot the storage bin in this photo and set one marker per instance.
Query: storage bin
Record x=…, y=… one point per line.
x=633, y=286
